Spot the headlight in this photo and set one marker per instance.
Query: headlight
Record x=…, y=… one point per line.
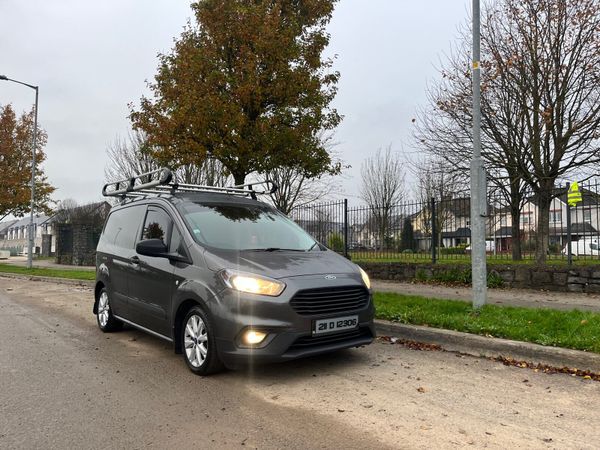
x=365, y=278
x=252, y=284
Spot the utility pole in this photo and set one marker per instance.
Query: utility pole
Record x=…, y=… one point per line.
x=478, y=181
x=31, y=233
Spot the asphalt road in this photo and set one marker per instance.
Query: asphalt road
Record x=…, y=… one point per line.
x=64, y=384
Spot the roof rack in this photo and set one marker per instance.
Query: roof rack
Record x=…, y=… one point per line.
x=159, y=182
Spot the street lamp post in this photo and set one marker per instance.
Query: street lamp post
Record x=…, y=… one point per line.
x=31, y=226
x=478, y=182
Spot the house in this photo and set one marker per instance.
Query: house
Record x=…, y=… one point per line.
x=4, y=226
x=585, y=221
x=16, y=235
x=452, y=221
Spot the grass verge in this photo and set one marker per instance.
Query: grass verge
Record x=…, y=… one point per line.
x=555, y=261
x=579, y=330
x=74, y=274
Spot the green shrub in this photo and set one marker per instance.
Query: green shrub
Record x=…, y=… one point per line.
x=494, y=280
x=336, y=242
x=408, y=251
x=554, y=249
x=458, y=250
x=421, y=275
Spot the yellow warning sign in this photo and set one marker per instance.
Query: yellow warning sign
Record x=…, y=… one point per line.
x=574, y=194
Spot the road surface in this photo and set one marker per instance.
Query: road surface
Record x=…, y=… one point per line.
x=64, y=384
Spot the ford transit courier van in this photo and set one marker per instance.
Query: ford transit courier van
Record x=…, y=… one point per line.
x=227, y=279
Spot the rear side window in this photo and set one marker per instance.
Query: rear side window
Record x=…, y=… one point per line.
x=157, y=225
x=122, y=226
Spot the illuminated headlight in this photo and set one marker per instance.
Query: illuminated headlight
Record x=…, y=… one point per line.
x=252, y=284
x=365, y=278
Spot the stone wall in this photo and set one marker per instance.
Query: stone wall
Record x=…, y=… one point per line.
x=574, y=279
x=46, y=245
x=76, y=244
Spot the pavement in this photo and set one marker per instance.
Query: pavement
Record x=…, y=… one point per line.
x=65, y=384
x=527, y=298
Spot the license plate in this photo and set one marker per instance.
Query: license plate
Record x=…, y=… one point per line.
x=323, y=326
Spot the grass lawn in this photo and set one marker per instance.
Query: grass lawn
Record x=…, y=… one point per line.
x=578, y=330
x=75, y=274
x=465, y=259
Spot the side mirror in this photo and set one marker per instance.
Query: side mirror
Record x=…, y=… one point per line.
x=152, y=247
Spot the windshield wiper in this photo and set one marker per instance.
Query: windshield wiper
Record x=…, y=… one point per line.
x=312, y=246
x=272, y=249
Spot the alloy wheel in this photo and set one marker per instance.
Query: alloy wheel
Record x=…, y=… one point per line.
x=196, y=341
x=103, y=309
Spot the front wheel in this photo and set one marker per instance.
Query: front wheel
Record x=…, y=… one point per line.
x=198, y=343
x=104, y=316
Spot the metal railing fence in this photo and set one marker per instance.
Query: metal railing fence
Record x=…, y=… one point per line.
x=438, y=229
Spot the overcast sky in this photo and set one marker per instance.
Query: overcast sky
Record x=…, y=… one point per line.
x=91, y=59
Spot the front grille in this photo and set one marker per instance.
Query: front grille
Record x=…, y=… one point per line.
x=309, y=302
x=335, y=338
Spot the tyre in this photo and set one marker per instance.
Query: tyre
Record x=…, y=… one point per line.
x=104, y=316
x=198, y=343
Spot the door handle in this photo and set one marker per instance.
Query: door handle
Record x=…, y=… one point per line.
x=134, y=260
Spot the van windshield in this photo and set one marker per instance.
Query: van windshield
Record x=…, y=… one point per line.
x=230, y=226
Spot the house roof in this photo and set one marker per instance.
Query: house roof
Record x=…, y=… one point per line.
x=458, y=233
x=37, y=220
x=6, y=225
x=460, y=207
x=576, y=228
x=588, y=197
x=503, y=232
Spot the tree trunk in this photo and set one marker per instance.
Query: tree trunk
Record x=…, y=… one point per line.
x=515, y=216
x=516, y=195
x=544, y=198
x=239, y=178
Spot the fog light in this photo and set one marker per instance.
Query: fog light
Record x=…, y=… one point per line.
x=253, y=337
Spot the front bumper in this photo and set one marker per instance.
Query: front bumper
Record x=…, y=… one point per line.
x=290, y=334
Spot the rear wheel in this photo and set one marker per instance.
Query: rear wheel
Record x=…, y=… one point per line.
x=198, y=343
x=104, y=316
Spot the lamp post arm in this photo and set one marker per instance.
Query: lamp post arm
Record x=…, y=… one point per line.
x=2, y=77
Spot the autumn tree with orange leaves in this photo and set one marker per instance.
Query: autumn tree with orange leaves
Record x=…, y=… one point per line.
x=15, y=164
x=245, y=84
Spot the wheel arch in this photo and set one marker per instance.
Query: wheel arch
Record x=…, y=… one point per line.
x=180, y=314
x=99, y=286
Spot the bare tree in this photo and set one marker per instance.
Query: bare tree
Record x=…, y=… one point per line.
x=548, y=51
x=382, y=188
x=130, y=156
x=540, y=102
x=210, y=173
x=436, y=181
x=295, y=189
x=68, y=211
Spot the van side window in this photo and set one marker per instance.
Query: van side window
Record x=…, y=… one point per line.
x=594, y=246
x=176, y=242
x=157, y=225
x=122, y=226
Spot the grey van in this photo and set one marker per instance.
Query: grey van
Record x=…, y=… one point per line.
x=227, y=279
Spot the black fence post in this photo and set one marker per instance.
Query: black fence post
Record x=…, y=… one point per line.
x=346, y=228
x=569, y=237
x=433, y=232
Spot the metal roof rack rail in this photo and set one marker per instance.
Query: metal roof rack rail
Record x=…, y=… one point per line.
x=159, y=182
